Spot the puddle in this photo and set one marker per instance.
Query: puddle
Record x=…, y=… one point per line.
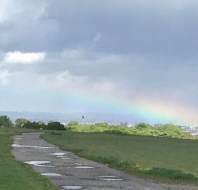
x=28, y=146
x=84, y=167
x=78, y=164
x=40, y=163
x=108, y=176
x=72, y=187
x=66, y=158
x=51, y=174
x=61, y=156
x=58, y=154
x=111, y=179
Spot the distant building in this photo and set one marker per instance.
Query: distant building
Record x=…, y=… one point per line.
x=192, y=130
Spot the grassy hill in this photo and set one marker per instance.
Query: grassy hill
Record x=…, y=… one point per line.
x=159, y=158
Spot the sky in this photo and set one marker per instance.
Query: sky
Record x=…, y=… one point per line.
x=126, y=57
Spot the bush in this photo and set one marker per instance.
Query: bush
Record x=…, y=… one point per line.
x=24, y=123
x=55, y=126
x=5, y=121
x=143, y=126
x=170, y=130
x=21, y=123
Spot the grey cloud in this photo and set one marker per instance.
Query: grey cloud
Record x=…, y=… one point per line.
x=134, y=28
x=166, y=29
x=142, y=47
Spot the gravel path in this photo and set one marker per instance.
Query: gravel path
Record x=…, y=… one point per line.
x=69, y=171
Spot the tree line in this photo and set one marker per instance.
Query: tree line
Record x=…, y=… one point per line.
x=5, y=122
x=163, y=130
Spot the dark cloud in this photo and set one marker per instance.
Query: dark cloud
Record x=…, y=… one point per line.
x=165, y=29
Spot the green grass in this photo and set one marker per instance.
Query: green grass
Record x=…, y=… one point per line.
x=142, y=129
x=15, y=175
x=164, y=159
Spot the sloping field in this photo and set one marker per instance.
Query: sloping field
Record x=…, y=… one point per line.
x=159, y=158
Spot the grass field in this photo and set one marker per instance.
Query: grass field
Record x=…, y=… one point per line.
x=164, y=159
x=15, y=175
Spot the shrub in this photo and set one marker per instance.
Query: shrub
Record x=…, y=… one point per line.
x=143, y=126
x=24, y=123
x=55, y=126
x=21, y=123
x=5, y=121
x=170, y=130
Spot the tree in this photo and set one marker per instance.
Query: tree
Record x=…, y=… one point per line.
x=170, y=130
x=143, y=126
x=5, y=121
x=22, y=123
x=55, y=126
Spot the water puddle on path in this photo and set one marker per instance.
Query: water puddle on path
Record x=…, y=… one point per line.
x=110, y=178
x=40, y=163
x=28, y=146
x=51, y=174
x=71, y=187
x=65, y=158
x=62, y=156
x=84, y=167
x=78, y=164
x=59, y=154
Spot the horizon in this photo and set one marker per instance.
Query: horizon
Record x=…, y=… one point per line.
x=117, y=119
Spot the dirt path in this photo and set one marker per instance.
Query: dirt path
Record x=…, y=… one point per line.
x=68, y=171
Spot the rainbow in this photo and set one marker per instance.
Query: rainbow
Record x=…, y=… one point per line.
x=148, y=110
